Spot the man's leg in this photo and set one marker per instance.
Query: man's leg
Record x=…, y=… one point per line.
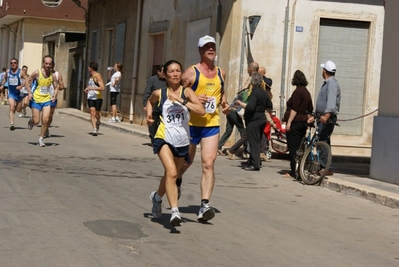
x=208, y=157
x=45, y=120
x=325, y=131
x=12, y=103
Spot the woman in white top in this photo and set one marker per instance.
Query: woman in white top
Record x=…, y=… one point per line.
x=114, y=88
x=172, y=139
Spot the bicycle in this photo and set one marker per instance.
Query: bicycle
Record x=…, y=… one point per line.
x=313, y=157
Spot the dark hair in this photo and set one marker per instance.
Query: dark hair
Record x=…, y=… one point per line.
x=299, y=79
x=4, y=69
x=160, y=67
x=14, y=59
x=48, y=56
x=330, y=73
x=93, y=65
x=170, y=62
x=24, y=66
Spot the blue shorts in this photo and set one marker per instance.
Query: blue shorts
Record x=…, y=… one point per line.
x=197, y=133
x=54, y=104
x=16, y=97
x=39, y=106
x=178, y=152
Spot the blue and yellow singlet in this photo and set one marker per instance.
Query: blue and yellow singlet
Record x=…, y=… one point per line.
x=213, y=89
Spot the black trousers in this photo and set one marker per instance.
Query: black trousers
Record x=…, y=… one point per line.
x=255, y=132
x=294, y=137
x=233, y=119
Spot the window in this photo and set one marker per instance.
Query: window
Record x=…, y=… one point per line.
x=51, y=48
x=52, y=3
x=158, y=52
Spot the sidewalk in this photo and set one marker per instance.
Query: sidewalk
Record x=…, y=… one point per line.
x=350, y=178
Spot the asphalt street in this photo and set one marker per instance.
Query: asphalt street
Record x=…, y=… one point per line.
x=84, y=201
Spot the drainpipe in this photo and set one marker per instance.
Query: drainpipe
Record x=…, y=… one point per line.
x=135, y=62
x=284, y=63
x=244, y=33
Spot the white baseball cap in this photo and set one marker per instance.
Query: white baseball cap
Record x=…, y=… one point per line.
x=329, y=66
x=206, y=39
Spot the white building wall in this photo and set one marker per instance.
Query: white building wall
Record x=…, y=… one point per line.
x=267, y=46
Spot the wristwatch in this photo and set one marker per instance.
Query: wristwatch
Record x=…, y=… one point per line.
x=185, y=101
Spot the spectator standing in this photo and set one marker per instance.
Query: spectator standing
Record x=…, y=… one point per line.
x=327, y=104
x=255, y=119
x=114, y=89
x=154, y=82
x=297, y=117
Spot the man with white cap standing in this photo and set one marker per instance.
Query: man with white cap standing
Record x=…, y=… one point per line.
x=207, y=81
x=327, y=104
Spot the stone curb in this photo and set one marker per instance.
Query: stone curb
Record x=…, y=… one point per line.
x=362, y=193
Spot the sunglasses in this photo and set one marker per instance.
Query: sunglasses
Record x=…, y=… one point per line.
x=13, y=62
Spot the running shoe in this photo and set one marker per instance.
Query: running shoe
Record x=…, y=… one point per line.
x=175, y=218
x=30, y=124
x=156, y=206
x=47, y=134
x=12, y=128
x=205, y=213
x=41, y=142
x=20, y=115
x=94, y=132
x=111, y=120
x=98, y=123
x=117, y=119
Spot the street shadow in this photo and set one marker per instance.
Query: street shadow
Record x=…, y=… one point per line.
x=55, y=136
x=146, y=144
x=164, y=221
x=47, y=144
x=98, y=134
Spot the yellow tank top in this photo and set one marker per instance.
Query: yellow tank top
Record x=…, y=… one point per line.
x=42, y=92
x=213, y=89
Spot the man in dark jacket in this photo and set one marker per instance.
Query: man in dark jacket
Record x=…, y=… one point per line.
x=154, y=82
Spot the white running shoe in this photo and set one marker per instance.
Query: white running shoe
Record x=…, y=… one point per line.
x=94, y=132
x=205, y=213
x=30, y=124
x=117, y=119
x=111, y=120
x=20, y=115
x=175, y=218
x=41, y=142
x=156, y=206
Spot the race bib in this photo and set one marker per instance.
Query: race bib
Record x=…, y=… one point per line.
x=44, y=90
x=175, y=117
x=13, y=81
x=210, y=105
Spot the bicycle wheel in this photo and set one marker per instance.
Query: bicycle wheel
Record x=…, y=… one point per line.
x=299, y=155
x=318, y=156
